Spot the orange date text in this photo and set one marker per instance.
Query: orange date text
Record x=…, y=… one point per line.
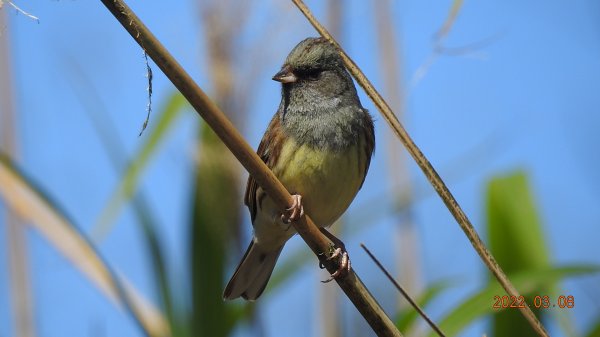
x=538, y=302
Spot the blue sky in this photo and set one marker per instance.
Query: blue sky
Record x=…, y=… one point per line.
x=530, y=97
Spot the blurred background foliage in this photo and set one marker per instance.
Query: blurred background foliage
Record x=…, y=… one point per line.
x=188, y=251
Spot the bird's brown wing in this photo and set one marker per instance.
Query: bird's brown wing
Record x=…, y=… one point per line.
x=268, y=150
x=369, y=146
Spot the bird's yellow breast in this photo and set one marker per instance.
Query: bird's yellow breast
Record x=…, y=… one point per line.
x=326, y=179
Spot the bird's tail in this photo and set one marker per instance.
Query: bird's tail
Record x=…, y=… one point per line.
x=253, y=273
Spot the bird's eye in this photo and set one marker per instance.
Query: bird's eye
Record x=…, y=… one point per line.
x=310, y=74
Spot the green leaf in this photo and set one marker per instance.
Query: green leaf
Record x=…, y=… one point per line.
x=215, y=216
x=128, y=184
x=595, y=330
x=515, y=233
x=482, y=302
x=516, y=239
x=149, y=228
x=30, y=202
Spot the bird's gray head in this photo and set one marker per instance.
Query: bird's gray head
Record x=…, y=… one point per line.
x=314, y=73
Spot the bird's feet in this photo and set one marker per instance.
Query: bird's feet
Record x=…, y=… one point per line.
x=295, y=212
x=344, y=266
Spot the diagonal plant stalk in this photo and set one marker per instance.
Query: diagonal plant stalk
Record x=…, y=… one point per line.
x=104, y=127
x=433, y=177
x=36, y=209
x=404, y=293
x=319, y=244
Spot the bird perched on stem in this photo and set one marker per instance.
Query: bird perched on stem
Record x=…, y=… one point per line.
x=319, y=145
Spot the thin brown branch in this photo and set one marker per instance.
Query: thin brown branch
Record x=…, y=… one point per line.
x=319, y=244
x=427, y=169
x=403, y=292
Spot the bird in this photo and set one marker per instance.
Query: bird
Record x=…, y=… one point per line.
x=319, y=144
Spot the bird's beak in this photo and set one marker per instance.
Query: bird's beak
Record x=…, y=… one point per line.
x=285, y=75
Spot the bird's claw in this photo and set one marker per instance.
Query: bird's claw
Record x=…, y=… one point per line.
x=295, y=212
x=344, y=266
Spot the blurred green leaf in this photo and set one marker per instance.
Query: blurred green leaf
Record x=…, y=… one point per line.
x=176, y=315
x=28, y=200
x=528, y=281
x=516, y=239
x=128, y=183
x=215, y=215
x=113, y=146
x=595, y=330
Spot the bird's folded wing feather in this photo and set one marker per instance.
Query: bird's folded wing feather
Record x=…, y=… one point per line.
x=268, y=150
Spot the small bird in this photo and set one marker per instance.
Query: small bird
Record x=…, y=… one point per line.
x=319, y=145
